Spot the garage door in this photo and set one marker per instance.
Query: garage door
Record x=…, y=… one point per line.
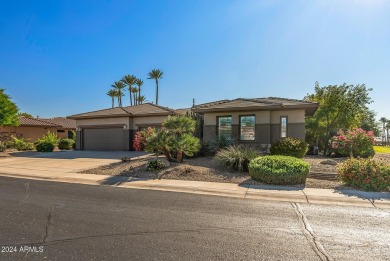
x=104, y=139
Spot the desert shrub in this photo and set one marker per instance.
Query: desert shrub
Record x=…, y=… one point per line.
x=2, y=146
x=22, y=144
x=9, y=144
x=289, y=147
x=365, y=174
x=155, y=164
x=175, y=140
x=44, y=146
x=236, y=157
x=139, y=142
x=65, y=144
x=220, y=142
x=357, y=142
x=279, y=170
x=50, y=137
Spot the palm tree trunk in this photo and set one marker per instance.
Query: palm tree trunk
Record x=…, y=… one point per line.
x=131, y=99
x=112, y=104
x=156, y=91
x=139, y=93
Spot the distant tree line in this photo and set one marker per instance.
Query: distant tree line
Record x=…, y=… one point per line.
x=133, y=85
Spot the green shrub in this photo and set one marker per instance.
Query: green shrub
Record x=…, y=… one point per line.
x=220, y=142
x=236, y=157
x=365, y=174
x=2, y=146
x=9, y=144
x=22, y=144
x=289, y=147
x=279, y=170
x=44, y=146
x=356, y=142
x=154, y=164
x=65, y=144
x=49, y=138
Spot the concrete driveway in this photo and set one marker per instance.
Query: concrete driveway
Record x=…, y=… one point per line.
x=61, y=161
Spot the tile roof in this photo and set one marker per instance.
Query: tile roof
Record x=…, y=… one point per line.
x=59, y=122
x=146, y=109
x=32, y=122
x=183, y=111
x=255, y=103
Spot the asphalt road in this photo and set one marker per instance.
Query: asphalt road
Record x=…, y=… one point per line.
x=59, y=221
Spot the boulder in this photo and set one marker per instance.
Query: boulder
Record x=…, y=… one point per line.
x=329, y=162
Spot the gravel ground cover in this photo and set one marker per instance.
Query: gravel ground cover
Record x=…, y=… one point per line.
x=205, y=169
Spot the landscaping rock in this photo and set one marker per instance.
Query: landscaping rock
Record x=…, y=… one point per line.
x=166, y=162
x=329, y=162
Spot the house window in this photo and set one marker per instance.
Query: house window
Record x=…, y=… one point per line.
x=247, y=127
x=224, y=126
x=283, y=126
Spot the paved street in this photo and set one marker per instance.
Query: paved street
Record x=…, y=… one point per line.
x=82, y=222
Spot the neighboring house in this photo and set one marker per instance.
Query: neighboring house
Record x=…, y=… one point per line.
x=114, y=129
x=34, y=128
x=253, y=121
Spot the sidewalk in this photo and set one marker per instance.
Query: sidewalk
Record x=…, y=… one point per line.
x=257, y=192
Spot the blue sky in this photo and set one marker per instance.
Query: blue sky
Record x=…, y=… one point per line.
x=60, y=57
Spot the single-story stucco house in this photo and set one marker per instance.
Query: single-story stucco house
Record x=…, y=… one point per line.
x=34, y=128
x=256, y=121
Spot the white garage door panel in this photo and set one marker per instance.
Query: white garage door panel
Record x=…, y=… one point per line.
x=104, y=139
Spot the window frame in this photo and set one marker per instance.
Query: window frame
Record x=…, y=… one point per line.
x=239, y=128
x=231, y=126
x=280, y=122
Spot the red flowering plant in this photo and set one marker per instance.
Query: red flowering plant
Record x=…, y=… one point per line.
x=365, y=174
x=140, y=137
x=356, y=143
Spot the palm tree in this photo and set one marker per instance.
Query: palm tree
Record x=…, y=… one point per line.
x=113, y=94
x=141, y=99
x=134, y=91
x=119, y=86
x=384, y=120
x=129, y=80
x=139, y=83
x=156, y=74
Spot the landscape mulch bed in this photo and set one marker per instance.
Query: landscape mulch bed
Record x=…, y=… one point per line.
x=205, y=169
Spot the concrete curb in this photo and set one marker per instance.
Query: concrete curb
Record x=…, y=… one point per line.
x=255, y=192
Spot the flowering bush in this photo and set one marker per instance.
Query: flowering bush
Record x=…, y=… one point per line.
x=357, y=142
x=139, y=141
x=366, y=174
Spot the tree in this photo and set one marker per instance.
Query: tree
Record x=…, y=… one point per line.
x=8, y=110
x=341, y=107
x=134, y=91
x=368, y=122
x=113, y=94
x=25, y=114
x=141, y=99
x=156, y=74
x=129, y=80
x=119, y=86
x=175, y=139
x=383, y=120
x=387, y=132
x=139, y=83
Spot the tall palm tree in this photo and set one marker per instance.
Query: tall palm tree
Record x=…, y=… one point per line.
x=141, y=99
x=134, y=91
x=384, y=120
x=156, y=74
x=139, y=83
x=113, y=94
x=129, y=80
x=119, y=86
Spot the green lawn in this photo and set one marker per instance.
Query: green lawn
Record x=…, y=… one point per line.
x=382, y=149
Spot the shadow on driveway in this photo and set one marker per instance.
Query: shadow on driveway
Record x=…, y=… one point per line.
x=75, y=154
x=119, y=180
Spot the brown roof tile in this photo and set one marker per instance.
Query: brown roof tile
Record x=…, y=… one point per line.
x=63, y=122
x=30, y=122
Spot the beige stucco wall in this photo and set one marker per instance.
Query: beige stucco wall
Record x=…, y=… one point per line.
x=31, y=133
x=262, y=117
x=143, y=121
x=104, y=121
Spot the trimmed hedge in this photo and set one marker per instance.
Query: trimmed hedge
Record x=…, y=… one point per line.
x=44, y=146
x=365, y=174
x=65, y=144
x=279, y=170
x=289, y=147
